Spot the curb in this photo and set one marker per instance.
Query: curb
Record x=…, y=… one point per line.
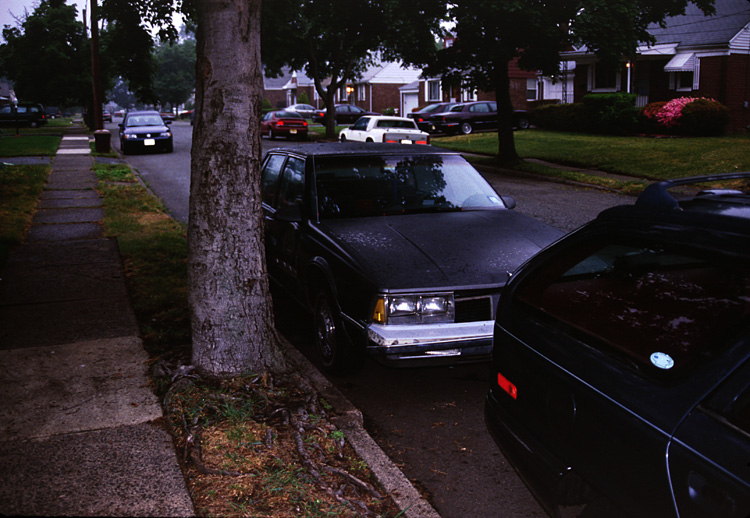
x=349, y=420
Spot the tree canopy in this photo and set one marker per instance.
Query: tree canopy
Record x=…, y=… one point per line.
x=48, y=56
x=490, y=34
x=174, y=81
x=334, y=41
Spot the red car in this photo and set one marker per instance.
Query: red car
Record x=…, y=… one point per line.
x=288, y=124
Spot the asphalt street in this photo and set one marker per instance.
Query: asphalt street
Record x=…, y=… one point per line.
x=429, y=421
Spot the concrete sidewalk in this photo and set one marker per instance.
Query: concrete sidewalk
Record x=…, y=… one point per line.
x=80, y=430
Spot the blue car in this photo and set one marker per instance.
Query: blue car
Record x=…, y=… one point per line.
x=145, y=131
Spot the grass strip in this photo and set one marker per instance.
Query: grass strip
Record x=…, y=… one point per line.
x=20, y=187
x=154, y=250
x=28, y=145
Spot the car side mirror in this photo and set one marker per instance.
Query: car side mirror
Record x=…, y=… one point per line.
x=167, y=122
x=121, y=125
x=509, y=201
x=290, y=213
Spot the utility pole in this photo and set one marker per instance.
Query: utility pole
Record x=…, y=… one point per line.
x=95, y=71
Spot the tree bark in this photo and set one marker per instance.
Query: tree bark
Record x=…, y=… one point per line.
x=231, y=308
x=506, y=152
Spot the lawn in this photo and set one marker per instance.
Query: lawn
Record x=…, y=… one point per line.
x=641, y=157
x=20, y=187
x=28, y=145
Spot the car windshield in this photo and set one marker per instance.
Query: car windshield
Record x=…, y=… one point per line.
x=362, y=186
x=144, y=120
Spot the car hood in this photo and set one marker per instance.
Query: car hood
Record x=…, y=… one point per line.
x=456, y=249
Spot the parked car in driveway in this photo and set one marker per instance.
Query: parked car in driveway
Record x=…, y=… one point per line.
x=23, y=114
x=106, y=116
x=465, y=118
x=421, y=116
x=305, y=110
x=621, y=362
x=283, y=123
x=144, y=131
x=345, y=114
x=382, y=128
x=400, y=252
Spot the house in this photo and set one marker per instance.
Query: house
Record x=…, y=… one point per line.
x=694, y=55
x=379, y=87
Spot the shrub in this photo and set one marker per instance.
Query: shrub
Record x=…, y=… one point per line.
x=265, y=105
x=704, y=117
x=647, y=118
x=303, y=98
x=685, y=116
x=611, y=113
x=559, y=117
x=389, y=111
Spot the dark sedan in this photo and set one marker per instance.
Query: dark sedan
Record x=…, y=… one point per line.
x=345, y=114
x=465, y=118
x=422, y=116
x=400, y=252
x=284, y=124
x=144, y=131
x=621, y=364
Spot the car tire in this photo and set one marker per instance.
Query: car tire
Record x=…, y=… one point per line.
x=124, y=148
x=523, y=123
x=335, y=352
x=369, y=140
x=270, y=134
x=466, y=128
x=169, y=147
x=342, y=138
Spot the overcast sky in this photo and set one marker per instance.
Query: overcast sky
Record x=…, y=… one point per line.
x=18, y=7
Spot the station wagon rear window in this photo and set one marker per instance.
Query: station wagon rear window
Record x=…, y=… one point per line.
x=364, y=185
x=662, y=307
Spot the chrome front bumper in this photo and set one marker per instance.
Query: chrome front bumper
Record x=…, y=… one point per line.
x=470, y=341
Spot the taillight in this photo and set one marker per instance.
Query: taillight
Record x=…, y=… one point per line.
x=279, y=123
x=422, y=141
x=304, y=123
x=507, y=386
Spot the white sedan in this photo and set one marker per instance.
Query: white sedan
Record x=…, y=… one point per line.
x=382, y=128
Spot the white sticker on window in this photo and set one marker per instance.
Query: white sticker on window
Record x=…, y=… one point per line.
x=662, y=360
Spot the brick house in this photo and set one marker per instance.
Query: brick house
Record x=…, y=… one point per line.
x=694, y=55
x=379, y=87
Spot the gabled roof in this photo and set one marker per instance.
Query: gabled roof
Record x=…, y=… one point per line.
x=693, y=29
x=392, y=72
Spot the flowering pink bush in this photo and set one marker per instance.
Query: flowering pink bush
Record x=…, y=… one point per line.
x=669, y=114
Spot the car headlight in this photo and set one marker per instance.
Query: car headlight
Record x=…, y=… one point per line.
x=130, y=136
x=165, y=134
x=414, y=309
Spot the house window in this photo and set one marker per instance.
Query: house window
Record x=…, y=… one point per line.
x=468, y=95
x=433, y=90
x=361, y=92
x=531, y=86
x=682, y=81
x=603, y=78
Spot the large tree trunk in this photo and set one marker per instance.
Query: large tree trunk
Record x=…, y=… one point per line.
x=506, y=152
x=231, y=309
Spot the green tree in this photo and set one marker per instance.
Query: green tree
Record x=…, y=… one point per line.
x=490, y=34
x=175, y=75
x=334, y=41
x=48, y=56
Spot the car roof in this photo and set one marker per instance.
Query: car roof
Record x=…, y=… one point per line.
x=144, y=112
x=361, y=148
x=388, y=117
x=721, y=209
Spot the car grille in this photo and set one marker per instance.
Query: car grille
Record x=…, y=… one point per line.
x=475, y=309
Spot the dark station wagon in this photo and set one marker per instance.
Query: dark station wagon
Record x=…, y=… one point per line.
x=621, y=363
x=400, y=252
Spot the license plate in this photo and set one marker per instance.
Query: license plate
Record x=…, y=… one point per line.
x=292, y=131
x=149, y=142
x=405, y=141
